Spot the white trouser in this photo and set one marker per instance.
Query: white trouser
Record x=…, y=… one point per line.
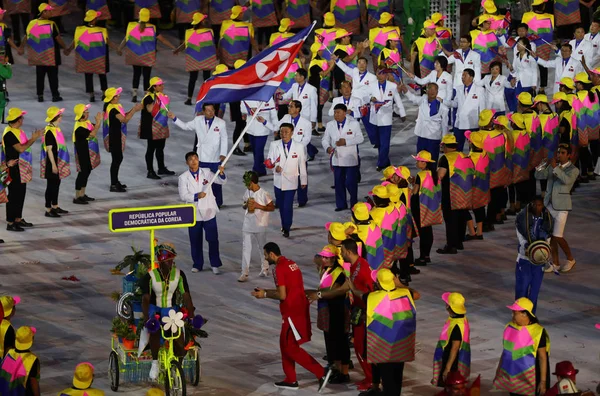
x=260, y=239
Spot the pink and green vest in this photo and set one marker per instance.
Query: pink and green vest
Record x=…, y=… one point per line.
x=495, y=147
x=460, y=172
x=464, y=352
x=521, y=154
x=93, y=146
x=185, y=9
x=63, y=160
x=371, y=236
x=40, y=43
x=263, y=13
x=387, y=219
x=234, y=43
x=299, y=12
x=14, y=373
x=430, y=200
x=533, y=127
x=550, y=133
x=481, y=180
x=90, y=49
x=200, y=50
x=25, y=158
x=140, y=45
x=347, y=14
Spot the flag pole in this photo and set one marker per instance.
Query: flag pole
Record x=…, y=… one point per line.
x=237, y=142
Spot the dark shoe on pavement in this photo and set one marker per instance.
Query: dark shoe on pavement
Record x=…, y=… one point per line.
x=286, y=385
x=498, y=222
x=52, y=213
x=57, y=99
x=89, y=199
x=239, y=152
x=473, y=237
x=14, y=227
x=379, y=169
x=24, y=223
x=414, y=271
x=285, y=233
x=152, y=175
x=60, y=211
x=80, y=201
x=134, y=99
x=122, y=185
x=117, y=188
x=315, y=133
x=460, y=246
x=420, y=262
x=324, y=380
x=40, y=98
x=165, y=171
x=321, y=129
x=371, y=392
x=92, y=99
x=488, y=227
x=1, y=240
x=340, y=209
x=188, y=102
x=510, y=212
x=447, y=250
x=247, y=149
x=340, y=379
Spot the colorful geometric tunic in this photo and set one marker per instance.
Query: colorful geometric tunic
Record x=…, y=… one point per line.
x=586, y=107
x=263, y=13
x=328, y=279
x=200, y=50
x=391, y=326
x=494, y=145
x=533, y=127
x=325, y=82
x=151, y=5
x=378, y=38
x=541, y=25
x=516, y=373
x=91, y=50
x=430, y=200
x=374, y=10
x=444, y=36
x=40, y=43
x=234, y=43
x=140, y=47
x=100, y=6
x=387, y=219
x=17, y=6
x=299, y=12
x=106, y=124
x=327, y=38
x=220, y=11
x=160, y=121
x=460, y=173
x=520, y=156
x=481, y=179
x=287, y=82
x=427, y=49
x=403, y=231
x=185, y=9
x=93, y=146
x=464, y=352
x=14, y=373
x=63, y=160
x=486, y=45
x=567, y=12
x=370, y=235
x=549, y=124
x=25, y=158
x=347, y=14
x=60, y=7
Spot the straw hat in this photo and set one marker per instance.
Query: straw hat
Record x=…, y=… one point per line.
x=456, y=302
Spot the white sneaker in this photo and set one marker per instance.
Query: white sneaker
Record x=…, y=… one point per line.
x=264, y=273
x=194, y=270
x=216, y=271
x=243, y=278
x=568, y=266
x=154, y=371
x=550, y=268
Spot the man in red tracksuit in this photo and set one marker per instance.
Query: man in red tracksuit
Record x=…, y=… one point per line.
x=295, y=315
x=360, y=275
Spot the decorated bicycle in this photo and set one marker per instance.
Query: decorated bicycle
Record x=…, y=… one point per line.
x=155, y=310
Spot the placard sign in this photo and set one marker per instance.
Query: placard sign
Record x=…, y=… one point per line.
x=151, y=218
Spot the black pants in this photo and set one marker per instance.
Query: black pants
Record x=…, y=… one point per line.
x=52, y=189
x=391, y=378
x=404, y=264
x=194, y=78
x=512, y=193
x=89, y=82
x=522, y=191
x=240, y=124
x=543, y=75
x=158, y=147
x=337, y=346
x=138, y=71
x=181, y=28
x=16, y=18
x=82, y=177
x=495, y=204
x=320, y=113
x=117, y=158
x=16, y=200
x=479, y=214
x=425, y=241
x=40, y=75
x=595, y=149
x=263, y=34
x=585, y=161
x=451, y=218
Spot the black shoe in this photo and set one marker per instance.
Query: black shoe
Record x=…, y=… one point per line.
x=80, y=201
x=311, y=158
x=379, y=169
x=24, y=223
x=285, y=233
x=591, y=177
x=340, y=209
x=152, y=175
x=14, y=227
x=340, y=379
x=427, y=260
x=315, y=133
x=1, y=240
x=488, y=227
x=447, y=250
x=321, y=129
x=117, y=188
x=359, y=178
x=375, y=146
x=188, y=102
x=60, y=211
x=510, y=212
x=92, y=99
x=89, y=199
x=40, y=98
x=370, y=392
x=460, y=247
x=324, y=380
x=122, y=185
x=134, y=99
x=52, y=213
x=301, y=205
x=57, y=99
x=420, y=262
x=166, y=171
x=584, y=180
x=498, y=222
x=247, y=149
x=473, y=237
x=414, y=271
x=286, y=385
x=239, y=152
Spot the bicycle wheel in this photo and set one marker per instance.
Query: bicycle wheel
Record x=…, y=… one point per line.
x=113, y=371
x=175, y=380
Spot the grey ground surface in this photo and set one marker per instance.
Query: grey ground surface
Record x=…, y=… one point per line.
x=241, y=355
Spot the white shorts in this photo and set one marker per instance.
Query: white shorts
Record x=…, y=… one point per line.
x=560, y=220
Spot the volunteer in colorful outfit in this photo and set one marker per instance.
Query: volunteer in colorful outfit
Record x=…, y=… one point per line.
x=341, y=140
x=265, y=16
x=140, y=44
x=295, y=317
x=453, y=350
x=114, y=133
x=236, y=38
x=87, y=150
x=390, y=349
x=319, y=76
x=16, y=146
x=154, y=127
x=498, y=145
x=263, y=126
x=151, y=5
x=101, y=7
x=485, y=43
x=440, y=76
x=200, y=52
x=158, y=298
x=192, y=186
x=54, y=161
x=91, y=44
x=82, y=382
x=347, y=14
x=469, y=101
x=586, y=106
x=184, y=16
x=416, y=13
x=463, y=58
x=541, y=25
x=7, y=332
x=524, y=369
x=298, y=11
x=480, y=193
x=43, y=51
x=20, y=14
x=424, y=49
x=6, y=39
x=20, y=369
x=443, y=34
x=211, y=151
x=287, y=159
x=384, y=100
x=378, y=36
x=345, y=51
x=327, y=34
x=391, y=54
x=495, y=84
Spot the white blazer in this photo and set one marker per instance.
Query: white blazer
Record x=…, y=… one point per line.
x=353, y=105
x=361, y=84
x=428, y=126
x=494, y=91
x=444, y=83
x=268, y=112
x=526, y=70
x=468, y=106
x=292, y=163
x=308, y=96
x=302, y=129
x=595, y=40
x=515, y=47
x=188, y=186
x=384, y=116
x=472, y=61
x=212, y=142
x=585, y=49
x=344, y=155
x=572, y=68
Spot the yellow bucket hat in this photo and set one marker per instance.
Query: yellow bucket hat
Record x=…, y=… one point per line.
x=522, y=304
x=582, y=78
x=393, y=192
x=502, y=120
x=285, y=24
x=111, y=92
x=337, y=230
x=53, y=112
x=388, y=172
x=424, y=156
x=329, y=19
x=436, y=17
x=449, y=139
x=90, y=15
x=385, y=17
x=84, y=375
x=24, y=338
x=197, y=18
x=476, y=138
x=237, y=10
x=361, y=211
x=567, y=82
x=381, y=192
x=7, y=303
x=45, y=7
x=456, y=302
x=428, y=24
x=156, y=81
x=540, y=98
x=485, y=117
x=538, y=2
x=316, y=47
x=484, y=18
x=15, y=113
x=557, y=97
x=403, y=172
x=144, y=15
x=489, y=6
x=342, y=33
x=517, y=119
x=385, y=278
x=79, y=109
x=220, y=68
x=239, y=63
x=525, y=98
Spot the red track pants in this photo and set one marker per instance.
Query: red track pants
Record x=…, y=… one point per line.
x=360, y=346
x=292, y=353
